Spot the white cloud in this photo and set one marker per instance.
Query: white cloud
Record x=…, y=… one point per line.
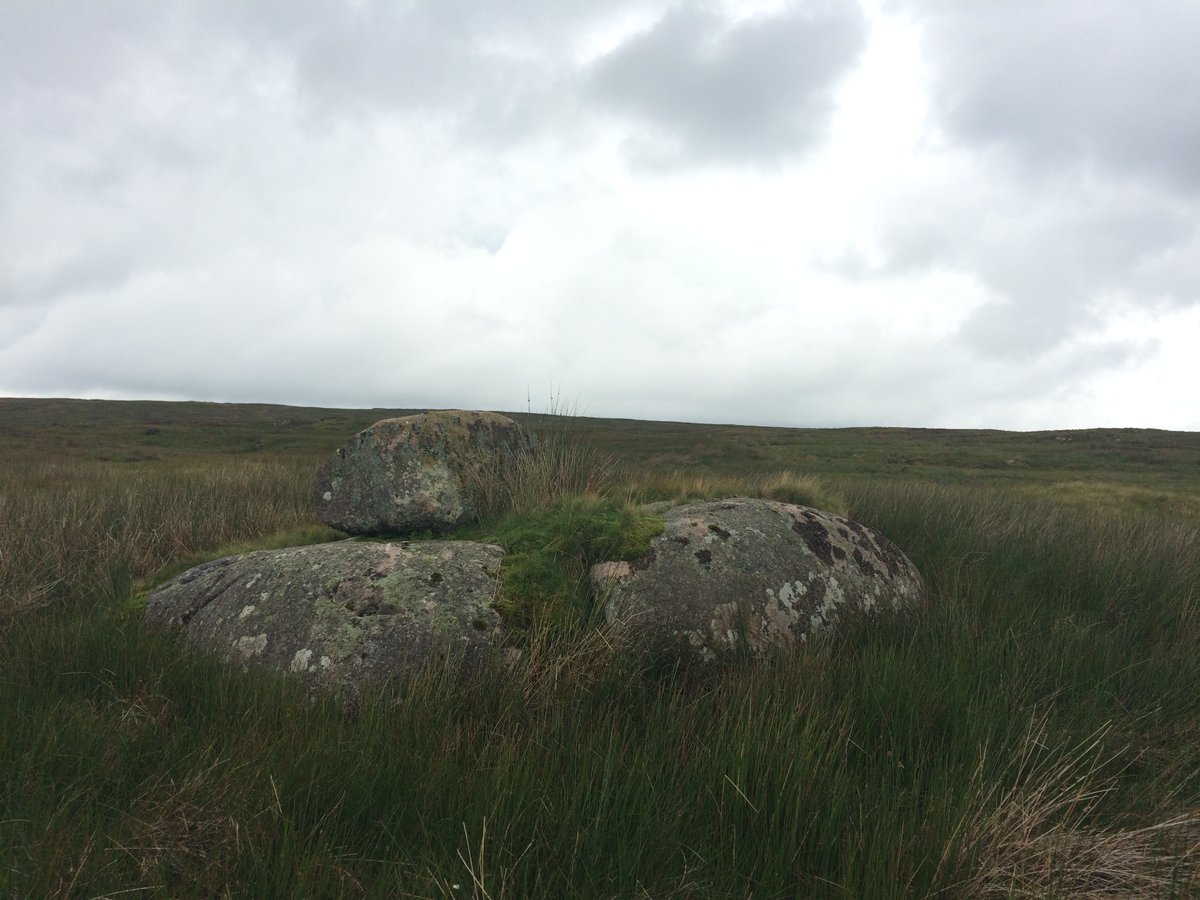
x=445, y=204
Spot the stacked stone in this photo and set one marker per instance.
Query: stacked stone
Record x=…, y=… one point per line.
x=741, y=576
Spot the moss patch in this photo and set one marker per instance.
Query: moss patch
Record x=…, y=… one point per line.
x=548, y=554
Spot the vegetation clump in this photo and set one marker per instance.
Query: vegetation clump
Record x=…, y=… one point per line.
x=549, y=551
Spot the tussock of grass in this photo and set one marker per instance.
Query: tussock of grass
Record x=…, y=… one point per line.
x=1033, y=837
x=549, y=551
x=547, y=507
x=562, y=465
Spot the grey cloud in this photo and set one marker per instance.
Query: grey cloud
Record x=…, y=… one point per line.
x=61, y=47
x=499, y=71
x=1102, y=84
x=758, y=89
x=18, y=323
x=1078, y=118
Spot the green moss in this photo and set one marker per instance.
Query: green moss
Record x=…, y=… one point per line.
x=548, y=554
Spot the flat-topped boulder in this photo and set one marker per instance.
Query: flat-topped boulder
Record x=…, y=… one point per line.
x=341, y=614
x=746, y=575
x=413, y=473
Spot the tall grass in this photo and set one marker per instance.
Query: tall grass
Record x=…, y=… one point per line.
x=561, y=465
x=1083, y=620
x=1036, y=732
x=86, y=531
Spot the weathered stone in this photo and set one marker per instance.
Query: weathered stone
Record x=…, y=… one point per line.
x=753, y=576
x=411, y=473
x=340, y=614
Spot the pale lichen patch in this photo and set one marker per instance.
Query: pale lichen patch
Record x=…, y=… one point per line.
x=777, y=622
x=300, y=660
x=246, y=611
x=790, y=592
x=250, y=645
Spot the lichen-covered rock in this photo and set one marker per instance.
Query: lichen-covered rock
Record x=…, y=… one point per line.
x=753, y=576
x=340, y=614
x=410, y=474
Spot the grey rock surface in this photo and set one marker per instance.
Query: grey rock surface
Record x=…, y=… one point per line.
x=341, y=614
x=411, y=473
x=754, y=576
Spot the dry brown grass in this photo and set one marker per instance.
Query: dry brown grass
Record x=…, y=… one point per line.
x=1033, y=839
x=1115, y=498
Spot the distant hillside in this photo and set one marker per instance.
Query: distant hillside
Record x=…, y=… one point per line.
x=133, y=431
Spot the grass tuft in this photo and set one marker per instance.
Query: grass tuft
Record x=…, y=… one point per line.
x=563, y=464
x=550, y=550
x=1032, y=837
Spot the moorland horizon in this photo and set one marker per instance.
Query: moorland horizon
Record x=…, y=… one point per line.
x=571, y=411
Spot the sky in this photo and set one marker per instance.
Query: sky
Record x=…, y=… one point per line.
x=934, y=213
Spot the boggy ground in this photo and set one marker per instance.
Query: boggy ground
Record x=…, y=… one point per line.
x=1035, y=733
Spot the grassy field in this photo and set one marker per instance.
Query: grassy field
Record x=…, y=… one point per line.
x=1035, y=733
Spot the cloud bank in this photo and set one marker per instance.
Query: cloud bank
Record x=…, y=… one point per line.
x=811, y=213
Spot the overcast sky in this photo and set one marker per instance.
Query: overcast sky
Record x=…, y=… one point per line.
x=822, y=212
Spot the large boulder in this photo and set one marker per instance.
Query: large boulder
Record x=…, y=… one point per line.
x=753, y=576
x=412, y=473
x=341, y=614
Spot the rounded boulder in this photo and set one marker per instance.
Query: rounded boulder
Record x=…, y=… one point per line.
x=340, y=614
x=413, y=473
x=754, y=576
